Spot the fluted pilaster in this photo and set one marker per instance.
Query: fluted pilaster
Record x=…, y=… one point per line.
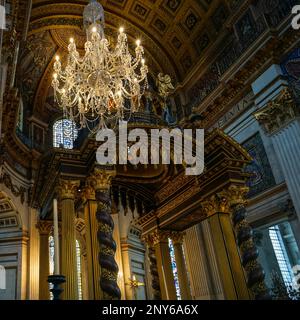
x=67, y=190
x=44, y=228
x=160, y=243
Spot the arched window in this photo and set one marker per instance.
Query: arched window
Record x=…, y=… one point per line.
x=79, y=267
x=174, y=269
x=65, y=133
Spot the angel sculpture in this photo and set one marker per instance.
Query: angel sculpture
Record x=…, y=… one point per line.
x=164, y=84
x=165, y=87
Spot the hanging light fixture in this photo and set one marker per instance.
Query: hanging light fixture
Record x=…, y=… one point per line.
x=104, y=83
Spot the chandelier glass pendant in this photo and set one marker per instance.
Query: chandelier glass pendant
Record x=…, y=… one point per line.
x=106, y=82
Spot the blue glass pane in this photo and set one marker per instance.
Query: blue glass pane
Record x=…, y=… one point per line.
x=65, y=133
x=174, y=268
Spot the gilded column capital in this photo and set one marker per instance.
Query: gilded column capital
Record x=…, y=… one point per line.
x=278, y=113
x=177, y=237
x=88, y=193
x=157, y=237
x=217, y=203
x=67, y=189
x=236, y=195
x=101, y=178
x=44, y=227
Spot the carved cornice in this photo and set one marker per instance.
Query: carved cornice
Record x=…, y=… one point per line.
x=172, y=187
x=278, y=113
x=213, y=108
x=67, y=189
x=185, y=196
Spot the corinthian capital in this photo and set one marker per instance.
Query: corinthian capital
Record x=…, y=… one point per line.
x=88, y=193
x=236, y=195
x=101, y=178
x=217, y=203
x=278, y=113
x=44, y=227
x=67, y=189
x=177, y=237
x=158, y=236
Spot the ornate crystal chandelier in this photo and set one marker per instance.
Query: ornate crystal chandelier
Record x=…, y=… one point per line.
x=105, y=82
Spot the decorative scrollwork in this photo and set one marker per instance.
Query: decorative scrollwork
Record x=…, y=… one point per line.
x=16, y=191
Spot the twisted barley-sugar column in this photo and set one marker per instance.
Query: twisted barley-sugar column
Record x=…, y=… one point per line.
x=244, y=238
x=101, y=181
x=153, y=268
x=154, y=274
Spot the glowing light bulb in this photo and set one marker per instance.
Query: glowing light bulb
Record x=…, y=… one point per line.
x=121, y=30
x=94, y=29
x=55, y=75
x=138, y=42
x=71, y=40
x=143, y=61
x=57, y=58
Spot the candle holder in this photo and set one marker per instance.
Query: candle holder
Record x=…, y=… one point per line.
x=57, y=281
x=134, y=285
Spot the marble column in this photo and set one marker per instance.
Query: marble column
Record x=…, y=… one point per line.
x=44, y=228
x=164, y=265
x=280, y=120
x=92, y=245
x=67, y=190
x=101, y=182
x=185, y=290
x=227, y=255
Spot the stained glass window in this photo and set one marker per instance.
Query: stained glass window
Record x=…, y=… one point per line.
x=79, y=277
x=65, y=133
x=174, y=269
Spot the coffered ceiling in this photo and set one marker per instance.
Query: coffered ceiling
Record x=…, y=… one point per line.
x=175, y=34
